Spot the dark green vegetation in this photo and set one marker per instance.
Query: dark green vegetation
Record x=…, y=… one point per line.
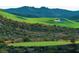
x=44, y=49
x=44, y=12
x=50, y=33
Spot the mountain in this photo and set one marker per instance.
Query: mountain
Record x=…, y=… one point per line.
x=44, y=12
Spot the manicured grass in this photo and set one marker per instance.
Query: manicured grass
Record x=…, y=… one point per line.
x=45, y=43
x=51, y=21
x=46, y=21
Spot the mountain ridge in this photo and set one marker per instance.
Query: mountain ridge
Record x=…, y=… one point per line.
x=44, y=12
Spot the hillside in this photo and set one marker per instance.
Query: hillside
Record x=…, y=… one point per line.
x=44, y=12
x=34, y=29
x=23, y=34
x=47, y=21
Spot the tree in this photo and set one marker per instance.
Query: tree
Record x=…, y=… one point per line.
x=73, y=42
x=26, y=39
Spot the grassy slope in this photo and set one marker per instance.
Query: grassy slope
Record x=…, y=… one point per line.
x=50, y=21
x=45, y=43
x=11, y=16
x=47, y=21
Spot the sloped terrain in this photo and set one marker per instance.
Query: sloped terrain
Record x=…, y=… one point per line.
x=47, y=21
x=18, y=30
x=21, y=31
x=36, y=29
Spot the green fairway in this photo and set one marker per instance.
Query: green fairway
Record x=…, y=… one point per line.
x=45, y=43
x=51, y=21
x=46, y=21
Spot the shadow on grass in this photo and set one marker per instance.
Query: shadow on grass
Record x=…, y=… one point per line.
x=70, y=48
